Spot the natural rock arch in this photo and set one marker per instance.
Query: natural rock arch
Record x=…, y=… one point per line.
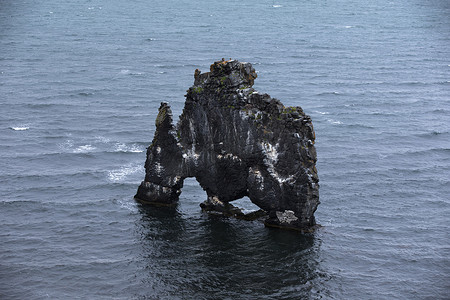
x=235, y=142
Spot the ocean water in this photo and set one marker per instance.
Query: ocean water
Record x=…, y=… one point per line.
x=80, y=84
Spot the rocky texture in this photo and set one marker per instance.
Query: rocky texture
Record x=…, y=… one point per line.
x=236, y=142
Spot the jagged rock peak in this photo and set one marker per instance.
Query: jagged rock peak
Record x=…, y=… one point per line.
x=226, y=74
x=236, y=142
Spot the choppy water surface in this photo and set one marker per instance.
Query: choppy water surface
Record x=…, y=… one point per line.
x=80, y=84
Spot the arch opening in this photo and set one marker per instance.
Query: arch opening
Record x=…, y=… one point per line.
x=192, y=194
x=246, y=205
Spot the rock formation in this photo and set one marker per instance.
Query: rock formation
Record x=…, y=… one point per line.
x=236, y=142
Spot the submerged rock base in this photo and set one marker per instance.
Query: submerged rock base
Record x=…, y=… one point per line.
x=236, y=142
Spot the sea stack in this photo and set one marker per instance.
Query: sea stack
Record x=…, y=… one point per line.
x=236, y=142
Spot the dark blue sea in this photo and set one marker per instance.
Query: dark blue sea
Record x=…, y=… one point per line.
x=80, y=85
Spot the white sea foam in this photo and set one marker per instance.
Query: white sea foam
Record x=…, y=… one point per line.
x=84, y=149
x=122, y=173
x=20, y=128
x=129, y=72
x=334, y=121
x=67, y=145
x=322, y=112
x=119, y=147
x=102, y=139
x=128, y=204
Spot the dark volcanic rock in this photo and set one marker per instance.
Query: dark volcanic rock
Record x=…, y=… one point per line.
x=236, y=142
